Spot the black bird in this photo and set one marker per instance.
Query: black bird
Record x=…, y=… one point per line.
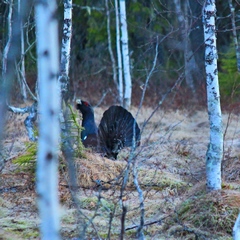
x=117, y=129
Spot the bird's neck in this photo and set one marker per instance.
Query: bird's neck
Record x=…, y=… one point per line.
x=89, y=125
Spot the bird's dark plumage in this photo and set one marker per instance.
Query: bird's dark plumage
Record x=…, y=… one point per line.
x=117, y=129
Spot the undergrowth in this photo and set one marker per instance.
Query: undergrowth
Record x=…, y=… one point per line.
x=27, y=161
x=209, y=212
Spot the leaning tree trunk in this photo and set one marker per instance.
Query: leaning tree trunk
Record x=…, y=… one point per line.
x=49, y=108
x=236, y=229
x=125, y=54
x=215, y=148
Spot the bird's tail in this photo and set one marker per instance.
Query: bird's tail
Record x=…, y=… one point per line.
x=118, y=129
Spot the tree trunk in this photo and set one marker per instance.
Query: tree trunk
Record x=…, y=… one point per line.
x=114, y=68
x=49, y=108
x=66, y=48
x=119, y=55
x=215, y=148
x=236, y=229
x=22, y=60
x=234, y=30
x=125, y=55
x=185, y=29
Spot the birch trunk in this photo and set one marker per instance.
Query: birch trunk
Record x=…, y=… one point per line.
x=22, y=61
x=236, y=229
x=125, y=56
x=215, y=148
x=64, y=81
x=119, y=55
x=66, y=47
x=49, y=108
x=7, y=47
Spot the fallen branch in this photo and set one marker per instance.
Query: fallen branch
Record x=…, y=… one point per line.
x=146, y=224
x=30, y=119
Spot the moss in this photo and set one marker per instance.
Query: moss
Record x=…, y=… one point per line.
x=93, y=202
x=159, y=180
x=21, y=228
x=210, y=212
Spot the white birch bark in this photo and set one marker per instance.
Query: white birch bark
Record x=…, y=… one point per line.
x=125, y=56
x=236, y=229
x=22, y=60
x=67, y=148
x=119, y=55
x=49, y=108
x=7, y=47
x=215, y=148
x=66, y=46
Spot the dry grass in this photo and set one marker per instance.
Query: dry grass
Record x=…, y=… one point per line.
x=170, y=163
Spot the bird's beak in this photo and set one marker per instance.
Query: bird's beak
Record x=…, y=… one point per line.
x=79, y=101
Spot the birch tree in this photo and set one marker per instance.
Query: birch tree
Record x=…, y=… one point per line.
x=66, y=47
x=236, y=229
x=125, y=55
x=119, y=55
x=64, y=83
x=215, y=148
x=22, y=73
x=49, y=109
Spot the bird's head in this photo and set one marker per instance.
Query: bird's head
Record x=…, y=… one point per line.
x=83, y=106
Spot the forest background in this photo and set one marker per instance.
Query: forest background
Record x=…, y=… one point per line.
x=175, y=27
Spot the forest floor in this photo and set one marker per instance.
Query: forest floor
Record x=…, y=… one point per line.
x=171, y=174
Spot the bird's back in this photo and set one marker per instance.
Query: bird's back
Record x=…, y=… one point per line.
x=118, y=129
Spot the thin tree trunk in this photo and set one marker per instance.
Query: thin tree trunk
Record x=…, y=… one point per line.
x=234, y=31
x=64, y=81
x=125, y=56
x=189, y=58
x=49, y=107
x=114, y=68
x=66, y=48
x=119, y=55
x=10, y=56
x=7, y=47
x=236, y=229
x=22, y=60
x=215, y=148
